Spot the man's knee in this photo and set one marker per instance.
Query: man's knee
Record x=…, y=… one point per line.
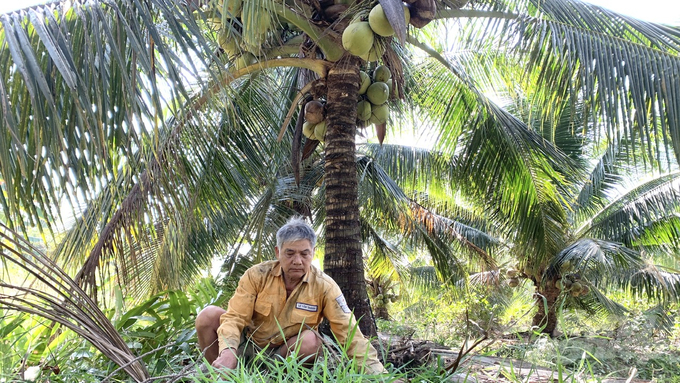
x=209, y=318
x=309, y=343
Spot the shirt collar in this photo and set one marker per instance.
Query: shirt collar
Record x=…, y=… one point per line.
x=276, y=270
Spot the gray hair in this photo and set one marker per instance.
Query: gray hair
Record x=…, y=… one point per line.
x=294, y=230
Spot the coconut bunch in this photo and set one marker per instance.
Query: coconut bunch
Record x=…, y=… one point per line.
x=571, y=283
x=513, y=277
x=374, y=91
x=372, y=107
x=243, y=30
x=314, y=127
x=382, y=291
x=385, y=299
x=362, y=36
x=514, y=273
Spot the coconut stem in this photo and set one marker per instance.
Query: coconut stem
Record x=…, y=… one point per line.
x=319, y=66
x=322, y=37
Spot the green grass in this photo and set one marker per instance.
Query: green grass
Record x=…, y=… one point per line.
x=592, y=346
x=161, y=330
x=291, y=369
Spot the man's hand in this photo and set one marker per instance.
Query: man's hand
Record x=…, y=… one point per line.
x=226, y=359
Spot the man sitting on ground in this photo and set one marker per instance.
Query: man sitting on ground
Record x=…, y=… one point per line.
x=285, y=297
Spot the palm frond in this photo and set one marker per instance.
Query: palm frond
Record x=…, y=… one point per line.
x=423, y=277
x=655, y=283
x=55, y=296
x=626, y=217
x=213, y=174
x=622, y=67
x=504, y=154
x=51, y=55
x=385, y=257
x=416, y=170
x=405, y=216
x=603, y=257
x=605, y=264
x=597, y=303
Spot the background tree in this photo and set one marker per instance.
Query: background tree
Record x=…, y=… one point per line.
x=591, y=219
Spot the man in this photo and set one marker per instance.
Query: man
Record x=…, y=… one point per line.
x=283, y=297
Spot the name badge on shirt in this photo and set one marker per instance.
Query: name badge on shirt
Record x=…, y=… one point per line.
x=306, y=307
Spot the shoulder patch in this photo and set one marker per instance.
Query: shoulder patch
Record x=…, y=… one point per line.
x=343, y=304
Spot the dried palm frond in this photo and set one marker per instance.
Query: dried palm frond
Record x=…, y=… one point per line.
x=55, y=296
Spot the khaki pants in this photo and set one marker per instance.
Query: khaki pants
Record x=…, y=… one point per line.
x=248, y=350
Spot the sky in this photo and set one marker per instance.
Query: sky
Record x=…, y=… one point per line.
x=660, y=11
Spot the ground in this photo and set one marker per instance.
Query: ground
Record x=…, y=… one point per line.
x=577, y=360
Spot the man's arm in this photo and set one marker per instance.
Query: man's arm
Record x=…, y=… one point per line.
x=342, y=323
x=233, y=321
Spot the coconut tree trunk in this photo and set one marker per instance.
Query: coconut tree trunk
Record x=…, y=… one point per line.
x=381, y=312
x=546, y=307
x=343, y=260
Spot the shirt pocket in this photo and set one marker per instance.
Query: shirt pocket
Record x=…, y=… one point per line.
x=299, y=316
x=262, y=309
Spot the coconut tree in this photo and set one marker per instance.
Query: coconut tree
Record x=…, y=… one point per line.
x=155, y=118
x=609, y=222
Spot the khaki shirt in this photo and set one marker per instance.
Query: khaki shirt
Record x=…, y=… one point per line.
x=259, y=306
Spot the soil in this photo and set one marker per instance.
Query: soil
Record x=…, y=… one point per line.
x=472, y=368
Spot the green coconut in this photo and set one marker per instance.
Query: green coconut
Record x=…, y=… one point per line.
x=358, y=38
x=381, y=113
x=378, y=93
x=376, y=52
x=308, y=129
x=511, y=273
x=365, y=82
x=229, y=43
x=566, y=267
x=363, y=110
x=320, y=130
x=390, y=85
x=382, y=74
x=559, y=285
x=379, y=22
x=256, y=23
x=513, y=282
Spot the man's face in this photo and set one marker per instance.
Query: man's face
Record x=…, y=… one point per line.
x=295, y=258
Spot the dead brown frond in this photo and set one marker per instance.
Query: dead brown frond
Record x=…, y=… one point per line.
x=58, y=298
x=436, y=224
